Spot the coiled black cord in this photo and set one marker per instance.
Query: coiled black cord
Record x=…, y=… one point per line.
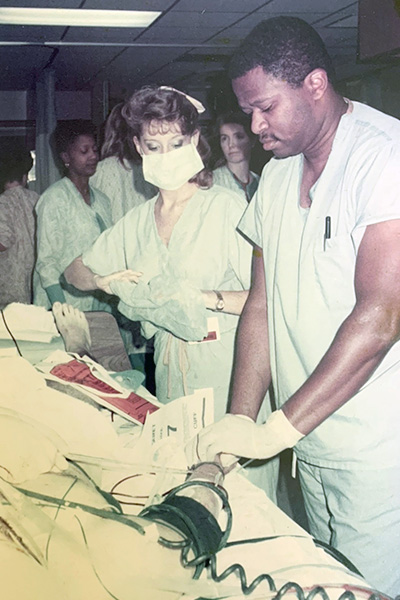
x=182, y=514
x=201, y=532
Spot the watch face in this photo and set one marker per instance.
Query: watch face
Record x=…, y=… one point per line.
x=220, y=305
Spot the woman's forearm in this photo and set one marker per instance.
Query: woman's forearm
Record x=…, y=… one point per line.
x=233, y=300
x=80, y=276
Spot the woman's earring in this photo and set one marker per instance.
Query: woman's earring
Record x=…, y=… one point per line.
x=66, y=165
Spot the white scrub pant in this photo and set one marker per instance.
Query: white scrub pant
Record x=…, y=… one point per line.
x=357, y=512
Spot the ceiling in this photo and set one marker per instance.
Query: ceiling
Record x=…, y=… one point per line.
x=187, y=46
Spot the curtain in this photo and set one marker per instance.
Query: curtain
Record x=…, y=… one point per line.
x=46, y=170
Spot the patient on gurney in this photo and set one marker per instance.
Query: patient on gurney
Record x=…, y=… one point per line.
x=62, y=536
x=73, y=327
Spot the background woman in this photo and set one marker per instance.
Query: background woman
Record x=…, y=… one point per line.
x=235, y=140
x=17, y=226
x=71, y=214
x=119, y=174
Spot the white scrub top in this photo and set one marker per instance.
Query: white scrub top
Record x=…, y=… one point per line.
x=310, y=286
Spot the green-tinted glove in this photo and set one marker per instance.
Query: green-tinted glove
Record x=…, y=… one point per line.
x=55, y=293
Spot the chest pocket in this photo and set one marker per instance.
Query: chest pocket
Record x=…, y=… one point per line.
x=334, y=269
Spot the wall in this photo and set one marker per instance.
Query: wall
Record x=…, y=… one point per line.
x=19, y=105
x=380, y=89
x=13, y=106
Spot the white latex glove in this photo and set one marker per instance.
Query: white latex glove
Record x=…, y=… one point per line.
x=240, y=436
x=103, y=282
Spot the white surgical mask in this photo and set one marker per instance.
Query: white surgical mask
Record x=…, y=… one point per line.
x=170, y=170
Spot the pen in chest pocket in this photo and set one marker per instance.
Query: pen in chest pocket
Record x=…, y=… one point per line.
x=327, y=233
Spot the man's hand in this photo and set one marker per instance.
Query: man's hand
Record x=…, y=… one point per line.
x=103, y=283
x=240, y=436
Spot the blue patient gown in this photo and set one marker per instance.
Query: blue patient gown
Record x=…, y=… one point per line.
x=205, y=252
x=66, y=226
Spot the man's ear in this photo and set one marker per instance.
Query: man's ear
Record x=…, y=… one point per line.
x=137, y=145
x=317, y=82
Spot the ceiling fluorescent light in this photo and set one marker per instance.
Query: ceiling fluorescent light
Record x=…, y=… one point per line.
x=77, y=17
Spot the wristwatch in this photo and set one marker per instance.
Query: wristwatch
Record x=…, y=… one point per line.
x=220, y=303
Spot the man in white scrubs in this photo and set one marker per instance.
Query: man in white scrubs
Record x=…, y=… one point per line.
x=322, y=321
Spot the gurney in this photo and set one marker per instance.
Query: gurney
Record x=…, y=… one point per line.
x=93, y=505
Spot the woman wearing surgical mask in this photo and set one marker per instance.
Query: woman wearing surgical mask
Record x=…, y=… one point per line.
x=235, y=141
x=176, y=262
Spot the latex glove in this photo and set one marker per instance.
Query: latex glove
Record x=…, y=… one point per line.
x=103, y=282
x=55, y=293
x=240, y=436
x=167, y=302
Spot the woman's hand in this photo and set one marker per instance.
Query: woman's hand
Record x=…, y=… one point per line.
x=103, y=282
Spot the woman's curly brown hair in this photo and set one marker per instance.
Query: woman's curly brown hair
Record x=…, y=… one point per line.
x=158, y=106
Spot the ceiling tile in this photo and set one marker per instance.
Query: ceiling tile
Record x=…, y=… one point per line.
x=305, y=6
x=171, y=73
x=219, y=5
x=161, y=5
x=30, y=33
x=147, y=59
x=197, y=19
x=90, y=61
x=23, y=77
x=135, y=63
x=332, y=37
x=213, y=48
x=246, y=25
x=190, y=42
x=102, y=34
x=177, y=35
x=42, y=3
x=345, y=22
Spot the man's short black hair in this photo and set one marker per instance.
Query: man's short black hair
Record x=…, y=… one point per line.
x=286, y=47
